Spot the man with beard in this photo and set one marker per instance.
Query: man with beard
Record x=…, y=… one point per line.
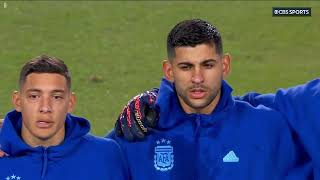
x=203, y=132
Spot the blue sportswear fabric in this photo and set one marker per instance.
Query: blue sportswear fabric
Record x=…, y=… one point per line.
x=301, y=107
x=80, y=156
x=235, y=141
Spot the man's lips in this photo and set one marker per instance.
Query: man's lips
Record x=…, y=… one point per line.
x=44, y=123
x=197, y=93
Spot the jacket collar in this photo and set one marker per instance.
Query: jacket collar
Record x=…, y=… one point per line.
x=12, y=143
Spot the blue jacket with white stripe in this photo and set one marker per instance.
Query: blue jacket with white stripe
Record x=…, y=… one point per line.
x=235, y=141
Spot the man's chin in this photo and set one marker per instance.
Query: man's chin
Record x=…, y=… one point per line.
x=198, y=104
x=43, y=136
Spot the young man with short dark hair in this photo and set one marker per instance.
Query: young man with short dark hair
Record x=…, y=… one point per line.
x=203, y=132
x=44, y=141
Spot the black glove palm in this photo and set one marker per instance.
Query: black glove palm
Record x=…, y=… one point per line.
x=137, y=116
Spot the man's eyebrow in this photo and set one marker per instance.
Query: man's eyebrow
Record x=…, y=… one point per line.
x=53, y=91
x=58, y=91
x=33, y=90
x=184, y=63
x=209, y=60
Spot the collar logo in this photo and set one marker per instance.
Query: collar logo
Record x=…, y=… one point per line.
x=163, y=155
x=13, y=176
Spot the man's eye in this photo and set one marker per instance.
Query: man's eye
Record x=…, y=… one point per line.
x=185, y=67
x=57, y=97
x=32, y=96
x=209, y=65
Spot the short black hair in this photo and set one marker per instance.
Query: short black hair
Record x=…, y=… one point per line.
x=44, y=64
x=191, y=33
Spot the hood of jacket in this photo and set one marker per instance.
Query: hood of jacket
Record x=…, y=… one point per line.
x=12, y=143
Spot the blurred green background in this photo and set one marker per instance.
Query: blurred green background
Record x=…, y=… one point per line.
x=114, y=49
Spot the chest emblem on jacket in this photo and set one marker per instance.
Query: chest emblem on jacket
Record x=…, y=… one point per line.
x=13, y=176
x=163, y=155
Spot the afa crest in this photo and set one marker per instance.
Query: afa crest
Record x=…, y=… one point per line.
x=163, y=155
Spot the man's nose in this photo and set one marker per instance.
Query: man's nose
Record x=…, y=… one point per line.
x=45, y=105
x=197, y=76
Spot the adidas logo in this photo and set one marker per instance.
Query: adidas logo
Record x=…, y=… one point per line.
x=230, y=157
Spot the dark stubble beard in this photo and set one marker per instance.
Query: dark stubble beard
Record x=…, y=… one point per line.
x=183, y=94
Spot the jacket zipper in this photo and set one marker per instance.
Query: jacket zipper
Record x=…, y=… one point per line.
x=45, y=163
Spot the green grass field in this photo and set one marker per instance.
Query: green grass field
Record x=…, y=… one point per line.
x=122, y=44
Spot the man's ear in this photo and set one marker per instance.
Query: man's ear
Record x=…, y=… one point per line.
x=226, y=64
x=167, y=70
x=16, y=100
x=72, y=102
